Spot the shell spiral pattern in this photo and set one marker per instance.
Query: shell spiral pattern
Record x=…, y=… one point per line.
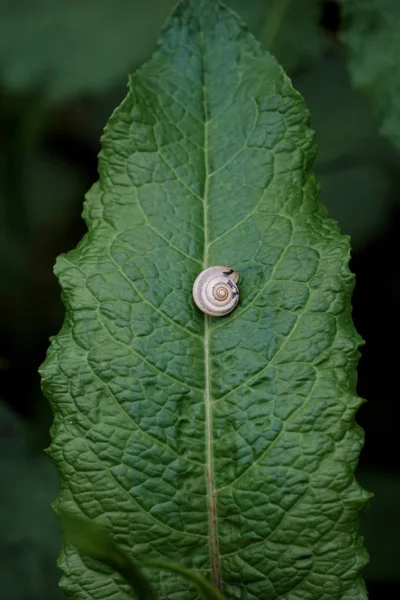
x=215, y=291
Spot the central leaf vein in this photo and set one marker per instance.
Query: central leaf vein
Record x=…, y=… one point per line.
x=211, y=492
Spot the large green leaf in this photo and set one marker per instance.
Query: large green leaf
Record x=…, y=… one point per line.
x=372, y=35
x=225, y=445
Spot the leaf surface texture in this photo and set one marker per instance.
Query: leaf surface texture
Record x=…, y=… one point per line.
x=226, y=445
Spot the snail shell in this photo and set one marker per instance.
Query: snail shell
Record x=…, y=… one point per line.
x=215, y=291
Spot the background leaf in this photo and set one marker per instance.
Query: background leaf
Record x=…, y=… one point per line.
x=372, y=36
x=95, y=43
x=205, y=590
x=283, y=27
x=94, y=541
x=380, y=525
x=30, y=538
x=280, y=24
x=356, y=167
x=228, y=445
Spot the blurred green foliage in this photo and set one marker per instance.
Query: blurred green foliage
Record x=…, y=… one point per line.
x=371, y=32
x=63, y=69
x=30, y=536
x=355, y=166
x=70, y=48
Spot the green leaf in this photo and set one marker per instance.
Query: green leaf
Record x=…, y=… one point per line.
x=205, y=590
x=224, y=445
x=94, y=541
x=372, y=36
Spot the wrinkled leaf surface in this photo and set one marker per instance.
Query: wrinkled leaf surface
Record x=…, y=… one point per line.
x=225, y=445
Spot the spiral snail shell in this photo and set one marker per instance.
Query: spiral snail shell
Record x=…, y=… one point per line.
x=215, y=291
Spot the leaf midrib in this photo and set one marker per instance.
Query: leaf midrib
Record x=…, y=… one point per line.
x=211, y=499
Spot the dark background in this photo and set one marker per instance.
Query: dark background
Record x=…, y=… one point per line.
x=63, y=69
